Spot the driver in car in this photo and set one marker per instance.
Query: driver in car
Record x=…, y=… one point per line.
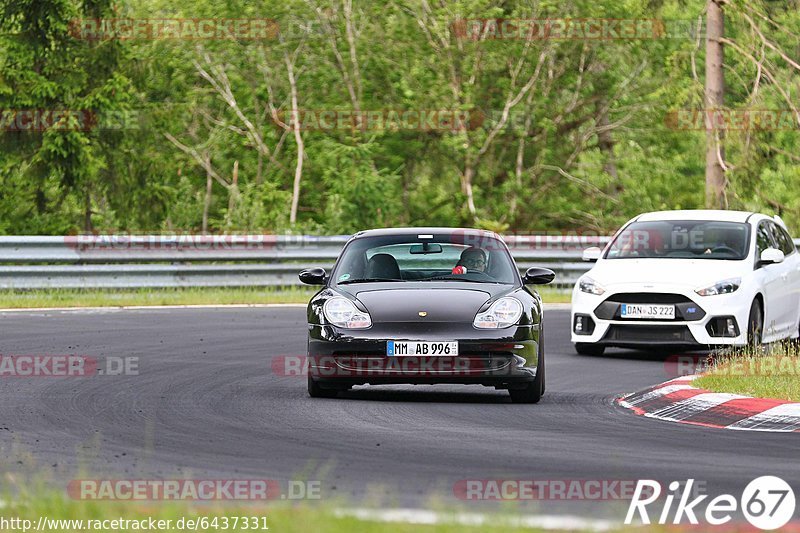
x=721, y=242
x=472, y=258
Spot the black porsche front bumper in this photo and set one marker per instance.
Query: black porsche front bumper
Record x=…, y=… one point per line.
x=502, y=358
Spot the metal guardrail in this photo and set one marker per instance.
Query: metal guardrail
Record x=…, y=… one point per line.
x=121, y=261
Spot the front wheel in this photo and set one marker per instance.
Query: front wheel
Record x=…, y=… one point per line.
x=794, y=343
x=533, y=390
x=755, y=326
x=584, y=348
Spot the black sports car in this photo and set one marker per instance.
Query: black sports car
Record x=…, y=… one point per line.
x=425, y=306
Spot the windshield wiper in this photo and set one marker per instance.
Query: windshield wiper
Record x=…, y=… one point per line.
x=368, y=280
x=447, y=278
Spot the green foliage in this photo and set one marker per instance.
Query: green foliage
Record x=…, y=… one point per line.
x=358, y=194
x=585, y=146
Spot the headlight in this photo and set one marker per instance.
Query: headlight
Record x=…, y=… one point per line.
x=501, y=314
x=725, y=286
x=591, y=286
x=341, y=312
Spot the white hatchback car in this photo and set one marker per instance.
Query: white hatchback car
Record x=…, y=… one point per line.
x=689, y=279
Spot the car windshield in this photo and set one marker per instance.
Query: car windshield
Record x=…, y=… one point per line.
x=438, y=257
x=682, y=239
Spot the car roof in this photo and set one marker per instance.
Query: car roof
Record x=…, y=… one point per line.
x=697, y=214
x=381, y=232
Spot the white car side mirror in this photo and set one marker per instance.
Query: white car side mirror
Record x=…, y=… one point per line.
x=771, y=256
x=592, y=254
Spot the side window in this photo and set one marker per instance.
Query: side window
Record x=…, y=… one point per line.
x=763, y=238
x=792, y=246
x=784, y=241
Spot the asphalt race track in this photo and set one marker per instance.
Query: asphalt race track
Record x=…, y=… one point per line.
x=206, y=403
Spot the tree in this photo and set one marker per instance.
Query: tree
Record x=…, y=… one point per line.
x=714, y=100
x=47, y=70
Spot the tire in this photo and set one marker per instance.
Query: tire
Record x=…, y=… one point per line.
x=544, y=380
x=755, y=325
x=315, y=391
x=533, y=390
x=584, y=348
x=793, y=344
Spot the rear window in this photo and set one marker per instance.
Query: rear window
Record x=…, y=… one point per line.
x=682, y=239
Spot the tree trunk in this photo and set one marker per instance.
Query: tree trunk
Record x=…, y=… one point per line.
x=715, y=91
x=298, y=137
x=233, y=193
x=87, y=212
x=41, y=198
x=207, y=202
x=605, y=141
x=466, y=187
x=518, y=168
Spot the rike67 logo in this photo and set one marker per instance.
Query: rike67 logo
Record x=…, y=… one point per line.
x=767, y=502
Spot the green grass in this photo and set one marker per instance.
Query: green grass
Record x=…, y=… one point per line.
x=761, y=374
x=165, y=296
x=15, y=299
x=551, y=295
x=280, y=517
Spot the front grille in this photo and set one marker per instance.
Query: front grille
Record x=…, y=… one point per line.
x=649, y=334
x=422, y=365
x=685, y=309
x=648, y=298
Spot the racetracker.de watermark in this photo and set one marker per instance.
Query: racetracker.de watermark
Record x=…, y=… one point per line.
x=579, y=29
x=450, y=120
x=550, y=240
x=184, y=29
x=732, y=120
x=193, y=489
x=544, y=489
x=775, y=365
x=187, y=241
x=341, y=366
x=64, y=365
x=41, y=120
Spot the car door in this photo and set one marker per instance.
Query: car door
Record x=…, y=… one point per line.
x=773, y=286
x=790, y=277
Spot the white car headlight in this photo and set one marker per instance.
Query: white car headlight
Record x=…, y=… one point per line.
x=587, y=284
x=501, y=314
x=725, y=286
x=341, y=312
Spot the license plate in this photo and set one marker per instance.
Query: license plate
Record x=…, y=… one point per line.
x=667, y=312
x=418, y=348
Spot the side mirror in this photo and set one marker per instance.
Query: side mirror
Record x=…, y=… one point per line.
x=313, y=276
x=538, y=276
x=771, y=256
x=592, y=254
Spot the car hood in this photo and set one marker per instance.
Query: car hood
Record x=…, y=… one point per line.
x=441, y=304
x=692, y=273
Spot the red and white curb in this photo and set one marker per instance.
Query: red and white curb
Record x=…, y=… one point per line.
x=678, y=401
